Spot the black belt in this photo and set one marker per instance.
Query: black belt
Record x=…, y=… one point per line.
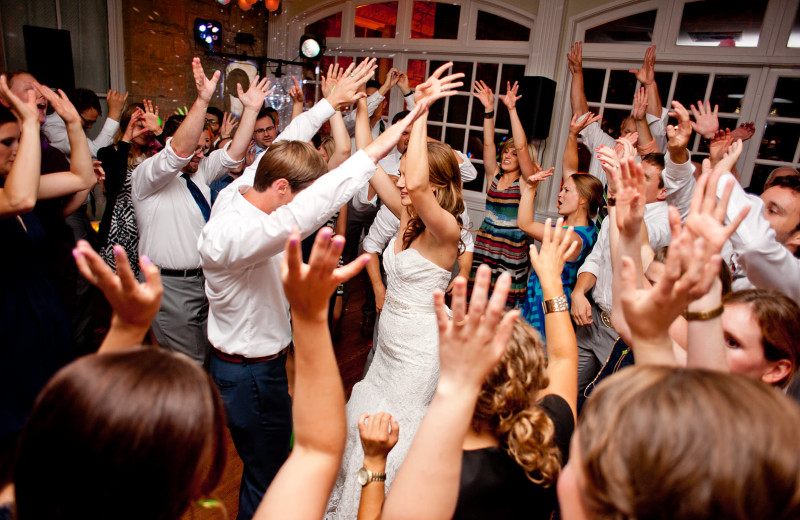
x=183, y=273
x=237, y=358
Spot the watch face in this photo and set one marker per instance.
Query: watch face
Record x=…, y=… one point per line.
x=363, y=476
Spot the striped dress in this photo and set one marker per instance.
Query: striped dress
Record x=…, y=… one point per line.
x=532, y=309
x=500, y=244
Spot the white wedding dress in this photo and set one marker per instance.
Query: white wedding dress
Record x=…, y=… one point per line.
x=403, y=374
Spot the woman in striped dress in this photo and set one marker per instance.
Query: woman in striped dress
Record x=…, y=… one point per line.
x=500, y=244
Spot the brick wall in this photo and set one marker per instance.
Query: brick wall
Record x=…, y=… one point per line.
x=159, y=46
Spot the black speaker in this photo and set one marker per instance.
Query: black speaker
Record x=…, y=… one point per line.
x=535, y=109
x=49, y=56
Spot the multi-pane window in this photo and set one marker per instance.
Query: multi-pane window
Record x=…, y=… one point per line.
x=780, y=143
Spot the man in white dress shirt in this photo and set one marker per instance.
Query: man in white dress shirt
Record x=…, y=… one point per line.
x=241, y=250
x=595, y=334
x=170, y=192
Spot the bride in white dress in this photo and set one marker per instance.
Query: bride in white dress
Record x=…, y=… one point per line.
x=404, y=372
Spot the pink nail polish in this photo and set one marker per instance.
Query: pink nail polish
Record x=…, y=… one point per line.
x=75, y=253
x=146, y=260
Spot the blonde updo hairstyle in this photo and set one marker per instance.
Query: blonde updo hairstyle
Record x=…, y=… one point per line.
x=445, y=176
x=507, y=404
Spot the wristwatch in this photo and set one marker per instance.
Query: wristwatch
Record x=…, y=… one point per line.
x=365, y=476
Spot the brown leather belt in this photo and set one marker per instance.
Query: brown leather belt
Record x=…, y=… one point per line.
x=236, y=358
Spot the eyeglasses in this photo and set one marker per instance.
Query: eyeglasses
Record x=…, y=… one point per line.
x=262, y=130
x=88, y=122
x=213, y=122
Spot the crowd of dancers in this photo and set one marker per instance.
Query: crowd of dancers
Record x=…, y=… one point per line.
x=634, y=358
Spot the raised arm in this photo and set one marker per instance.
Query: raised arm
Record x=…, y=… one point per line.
x=18, y=194
x=318, y=415
x=470, y=345
x=81, y=170
x=527, y=164
x=647, y=77
x=570, y=163
x=252, y=100
x=298, y=98
x=646, y=143
x=577, y=96
x=525, y=212
x=342, y=148
x=186, y=136
x=486, y=97
x=562, y=347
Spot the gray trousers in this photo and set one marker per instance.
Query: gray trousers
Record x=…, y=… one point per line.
x=181, y=323
x=595, y=342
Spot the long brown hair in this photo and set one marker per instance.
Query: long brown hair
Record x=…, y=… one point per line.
x=661, y=443
x=590, y=189
x=445, y=176
x=507, y=404
x=127, y=435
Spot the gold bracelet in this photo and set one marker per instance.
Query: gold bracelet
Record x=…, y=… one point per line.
x=704, y=315
x=557, y=304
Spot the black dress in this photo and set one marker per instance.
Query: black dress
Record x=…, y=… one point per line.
x=493, y=485
x=35, y=339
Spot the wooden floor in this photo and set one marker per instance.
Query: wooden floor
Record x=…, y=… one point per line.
x=351, y=353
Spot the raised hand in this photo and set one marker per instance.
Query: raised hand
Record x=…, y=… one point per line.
x=610, y=161
x=719, y=144
x=254, y=98
x=25, y=109
x=576, y=127
x=403, y=83
x=116, y=103
x=436, y=87
x=205, y=87
x=296, y=92
x=744, y=131
x=679, y=134
x=540, y=175
x=151, y=120
x=575, y=58
x=640, y=104
x=630, y=194
x=626, y=145
x=99, y=172
x=229, y=124
x=134, y=130
x=647, y=74
x=484, y=95
x=689, y=272
x=327, y=83
x=706, y=122
x=134, y=304
x=548, y=261
x=392, y=77
x=348, y=88
x=250, y=154
x=379, y=434
x=472, y=343
x=308, y=287
x=60, y=103
x=706, y=217
x=510, y=98
x=729, y=158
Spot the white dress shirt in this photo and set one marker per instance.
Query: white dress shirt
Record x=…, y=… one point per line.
x=656, y=218
x=766, y=262
x=386, y=226
x=167, y=215
x=680, y=182
x=55, y=131
x=241, y=249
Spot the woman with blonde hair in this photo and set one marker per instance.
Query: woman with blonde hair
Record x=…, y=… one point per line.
x=500, y=243
x=403, y=374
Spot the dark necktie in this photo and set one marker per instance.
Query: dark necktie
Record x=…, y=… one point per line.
x=201, y=201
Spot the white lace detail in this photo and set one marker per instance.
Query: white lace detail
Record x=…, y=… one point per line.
x=403, y=374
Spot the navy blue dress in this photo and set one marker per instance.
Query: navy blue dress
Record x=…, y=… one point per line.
x=35, y=338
